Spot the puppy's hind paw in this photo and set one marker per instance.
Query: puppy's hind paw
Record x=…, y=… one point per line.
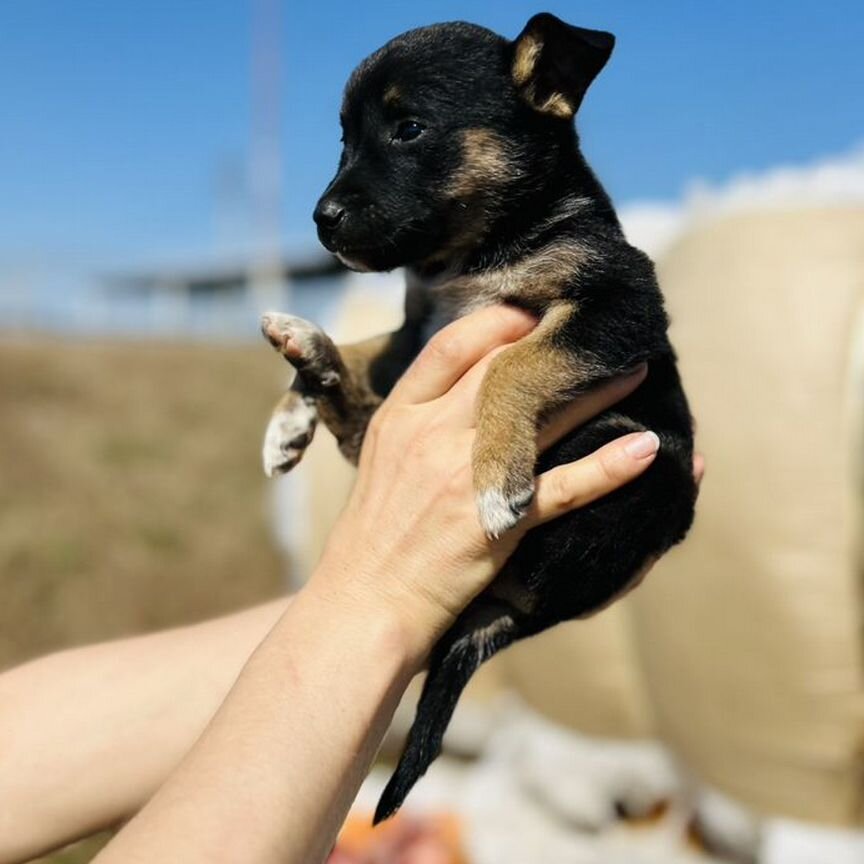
x=500, y=509
x=288, y=434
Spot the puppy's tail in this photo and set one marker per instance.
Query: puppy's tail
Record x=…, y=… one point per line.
x=483, y=629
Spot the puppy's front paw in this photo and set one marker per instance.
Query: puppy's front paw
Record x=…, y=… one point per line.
x=288, y=434
x=500, y=507
x=503, y=472
x=499, y=510
x=306, y=347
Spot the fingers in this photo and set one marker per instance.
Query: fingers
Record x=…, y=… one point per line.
x=455, y=349
x=698, y=468
x=589, y=405
x=461, y=400
x=576, y=484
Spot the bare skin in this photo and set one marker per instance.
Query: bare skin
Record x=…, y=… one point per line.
x=274, y=772
x=88, y=735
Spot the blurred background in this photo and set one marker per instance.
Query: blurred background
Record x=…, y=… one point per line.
x=159, y=163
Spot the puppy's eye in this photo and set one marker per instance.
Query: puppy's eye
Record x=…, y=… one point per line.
x=408, y=130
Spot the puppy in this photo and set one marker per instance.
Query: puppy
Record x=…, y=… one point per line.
x=461, y=164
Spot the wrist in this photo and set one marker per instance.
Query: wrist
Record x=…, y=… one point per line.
x=357, y=599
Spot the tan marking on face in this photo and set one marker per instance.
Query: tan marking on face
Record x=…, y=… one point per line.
x=391, y=94
x=527, y=51
x=485, y=164
x=487, y=167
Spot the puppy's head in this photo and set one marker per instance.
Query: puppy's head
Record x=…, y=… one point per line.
x=447, y=127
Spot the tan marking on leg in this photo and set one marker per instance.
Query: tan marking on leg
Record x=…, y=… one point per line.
x=521, y=386
x=347, y=410
x=286, y=402
x=485, y=164
x=333, y=383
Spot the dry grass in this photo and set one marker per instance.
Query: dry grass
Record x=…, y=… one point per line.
x=131, y=496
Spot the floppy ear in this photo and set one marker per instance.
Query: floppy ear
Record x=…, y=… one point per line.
x=553, y=63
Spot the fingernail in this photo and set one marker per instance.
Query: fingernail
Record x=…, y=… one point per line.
x=644, y=445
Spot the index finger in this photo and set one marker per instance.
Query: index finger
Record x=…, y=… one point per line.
x=590, y=404
x=454, y=350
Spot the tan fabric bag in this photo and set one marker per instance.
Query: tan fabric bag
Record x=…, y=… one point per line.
x=750, y=634
x=744, y=649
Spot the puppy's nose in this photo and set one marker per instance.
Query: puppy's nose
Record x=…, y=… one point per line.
x=328, y=214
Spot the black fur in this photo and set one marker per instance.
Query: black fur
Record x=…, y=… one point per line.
x=392, y=204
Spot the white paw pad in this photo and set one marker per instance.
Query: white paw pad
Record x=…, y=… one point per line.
x=288, y=434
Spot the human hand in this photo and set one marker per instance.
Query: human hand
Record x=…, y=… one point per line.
x=300, y=727
x=409, y=544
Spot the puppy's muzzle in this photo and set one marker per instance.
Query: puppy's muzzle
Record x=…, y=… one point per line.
x=328, y=216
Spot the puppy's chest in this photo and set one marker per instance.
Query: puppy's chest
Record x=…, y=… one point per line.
x=445, y=302
x=536, y=282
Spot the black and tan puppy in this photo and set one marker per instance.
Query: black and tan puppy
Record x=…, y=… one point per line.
x=461, y=164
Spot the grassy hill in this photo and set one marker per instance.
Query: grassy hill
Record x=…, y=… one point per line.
x=131, y=495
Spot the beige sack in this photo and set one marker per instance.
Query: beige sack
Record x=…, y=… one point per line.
x=744, y=648
x=751, y=632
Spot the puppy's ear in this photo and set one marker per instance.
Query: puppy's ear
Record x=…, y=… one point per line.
x=553, y=63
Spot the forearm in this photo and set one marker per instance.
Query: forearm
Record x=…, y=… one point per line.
x=87, y=735
x=274, y=774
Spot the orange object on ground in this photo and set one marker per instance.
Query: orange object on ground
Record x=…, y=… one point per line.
x=404, y=839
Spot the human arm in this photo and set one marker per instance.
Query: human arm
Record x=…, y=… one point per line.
x=272, y=777
x=89, y=734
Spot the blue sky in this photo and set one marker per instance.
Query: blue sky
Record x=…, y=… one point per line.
x=124, y=125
